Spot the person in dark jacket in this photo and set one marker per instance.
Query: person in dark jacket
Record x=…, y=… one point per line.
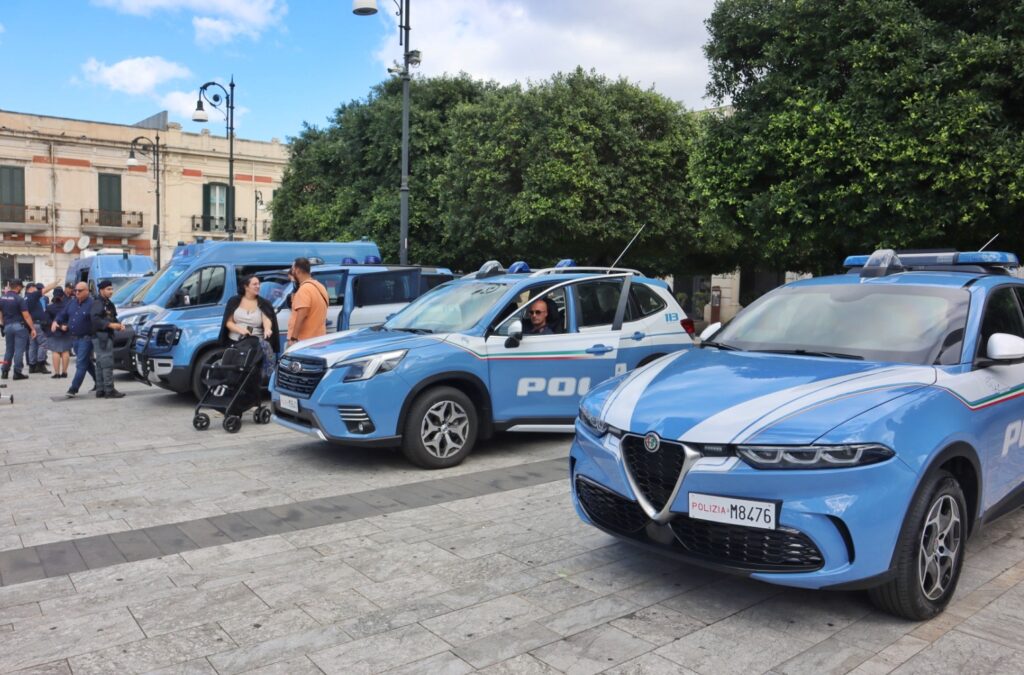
x=35, y=300
x=58, y=342
x=104, y=323
x=76, y=320
x=249, y=315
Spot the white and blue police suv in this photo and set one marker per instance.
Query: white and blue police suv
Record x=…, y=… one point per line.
x=841, y=432
x=457, y=365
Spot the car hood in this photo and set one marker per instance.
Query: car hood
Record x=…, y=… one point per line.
x=713, y=396
x=359, y=342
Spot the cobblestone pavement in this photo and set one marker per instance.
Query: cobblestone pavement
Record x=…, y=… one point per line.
x=131, y=543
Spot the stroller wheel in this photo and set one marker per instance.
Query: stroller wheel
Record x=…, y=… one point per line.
x=201, y=422
x=261, y=415
x=232, y=423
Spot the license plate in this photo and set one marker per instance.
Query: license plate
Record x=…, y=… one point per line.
x=289, y=403
x=748, y=512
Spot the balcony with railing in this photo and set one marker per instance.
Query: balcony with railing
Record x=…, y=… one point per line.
x=217, y=225
x=23, y=219
x=106, y=223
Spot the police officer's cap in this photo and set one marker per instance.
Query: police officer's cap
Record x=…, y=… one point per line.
x=104, y=284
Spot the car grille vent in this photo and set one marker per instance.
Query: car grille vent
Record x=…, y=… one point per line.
x=608, y=509
x=748, y=547
x=654, y=473
x=300, y=375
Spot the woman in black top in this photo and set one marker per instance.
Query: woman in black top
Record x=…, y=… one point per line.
x=247, y=315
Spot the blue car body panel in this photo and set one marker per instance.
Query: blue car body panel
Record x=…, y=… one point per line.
x=717, y=400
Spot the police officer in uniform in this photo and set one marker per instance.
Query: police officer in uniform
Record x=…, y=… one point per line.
x=104, y=323
x=17, y=327
x=35, y=302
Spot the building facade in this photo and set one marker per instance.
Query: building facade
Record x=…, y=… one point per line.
x=66, y=186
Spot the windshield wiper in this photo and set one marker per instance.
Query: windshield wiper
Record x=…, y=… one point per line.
x=811, y=352
x=417, y=331
x=721, y=345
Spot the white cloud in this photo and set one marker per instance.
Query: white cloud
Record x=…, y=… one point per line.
x=179, y=104
x=655, y=43
x=138, y=76
x=214, y=21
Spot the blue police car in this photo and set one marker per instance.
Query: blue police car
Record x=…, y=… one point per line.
x=841, y=432
x=490, y=352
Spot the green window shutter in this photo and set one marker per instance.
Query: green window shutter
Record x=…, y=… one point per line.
x=12, y=194
x=206, y=207
x=110, y=199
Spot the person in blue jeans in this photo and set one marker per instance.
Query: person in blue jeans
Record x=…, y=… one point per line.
x=17, y=327
x=76, y=320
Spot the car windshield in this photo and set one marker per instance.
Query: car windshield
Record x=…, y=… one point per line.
x=127, y=290
x=449, y=308
x=889, y=323
x=151, y=290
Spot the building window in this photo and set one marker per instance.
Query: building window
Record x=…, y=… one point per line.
x=215, y=207
x=12, y=194
x=110, y=200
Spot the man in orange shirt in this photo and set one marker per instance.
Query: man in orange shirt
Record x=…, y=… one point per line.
x=309, y=305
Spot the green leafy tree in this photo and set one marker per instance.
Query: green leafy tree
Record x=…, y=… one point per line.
x=861, y=124
x=569, y=168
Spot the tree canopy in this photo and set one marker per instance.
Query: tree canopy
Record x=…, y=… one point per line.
x=568, y=167
x=861, y=124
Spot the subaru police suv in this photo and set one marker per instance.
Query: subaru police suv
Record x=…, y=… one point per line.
x=461, y=362
x=841, y=432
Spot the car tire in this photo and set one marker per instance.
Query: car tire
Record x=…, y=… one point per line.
x=206, y=358
x=441, y=428
x=929, y=552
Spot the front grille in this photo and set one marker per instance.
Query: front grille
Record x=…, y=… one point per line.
x=747, y=547
x=608, y=509
x=303, y=382
x=654, y=473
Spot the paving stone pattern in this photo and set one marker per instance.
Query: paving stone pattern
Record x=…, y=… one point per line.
x=131, y=543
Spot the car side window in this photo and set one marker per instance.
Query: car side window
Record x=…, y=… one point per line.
x=556, y=309
x=643, y=302
x=1002, y=315
x=203, y=287
x=596, y=302
x=385, y=288
x=334, y=282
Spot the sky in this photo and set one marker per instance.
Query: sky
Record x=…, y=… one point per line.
x=295, y=62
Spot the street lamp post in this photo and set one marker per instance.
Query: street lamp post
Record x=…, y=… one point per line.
x=257, y=205
x=200, y=115
x=154, y=148
x=409, y=58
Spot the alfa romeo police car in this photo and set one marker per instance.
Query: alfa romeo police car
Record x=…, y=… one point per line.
x=842, y=432
x=456, y=365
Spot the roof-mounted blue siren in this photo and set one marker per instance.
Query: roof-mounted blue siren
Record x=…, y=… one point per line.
x=565, y=262
x=518, y=267
x=491, y=268
x=886, y=261
x=372, y=260
x=349, y=261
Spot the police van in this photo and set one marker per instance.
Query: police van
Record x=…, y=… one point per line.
x=118, y=266
x=461, y=362
x=843, y=432
x=171, y=350
x=202, y=275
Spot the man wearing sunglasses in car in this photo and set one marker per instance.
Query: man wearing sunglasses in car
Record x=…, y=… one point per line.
x=538, y=315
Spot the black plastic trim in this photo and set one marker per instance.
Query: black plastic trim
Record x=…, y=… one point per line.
x=1005, y=506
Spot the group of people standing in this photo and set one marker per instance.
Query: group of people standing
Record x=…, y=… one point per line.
x=72, y=320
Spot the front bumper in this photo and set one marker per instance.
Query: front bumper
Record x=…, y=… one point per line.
x=159, y=371
x=836, y=527
x=323, y=413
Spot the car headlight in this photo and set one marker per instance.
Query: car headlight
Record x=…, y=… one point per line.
x=366, y=367
x=813, y=456
x=595, y=424
x=136, y=320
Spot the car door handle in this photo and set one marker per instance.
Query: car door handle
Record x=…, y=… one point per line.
x=599, y=349
x=639, y=336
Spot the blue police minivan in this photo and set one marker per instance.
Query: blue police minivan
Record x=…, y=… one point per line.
x=172, y=348
x=202, y=275
x=120, y=267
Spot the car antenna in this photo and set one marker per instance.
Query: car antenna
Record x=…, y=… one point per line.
x=989, y=242
x=629, y=244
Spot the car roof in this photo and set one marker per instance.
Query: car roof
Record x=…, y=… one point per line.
x=913, y=278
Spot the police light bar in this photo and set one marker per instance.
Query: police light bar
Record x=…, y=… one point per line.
x=518, y=267
x=372, y=260
x=565, y=262
x=349, y=261
x=887, y=261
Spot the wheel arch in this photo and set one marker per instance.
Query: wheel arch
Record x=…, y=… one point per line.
x=469, y=384
x=961, y=460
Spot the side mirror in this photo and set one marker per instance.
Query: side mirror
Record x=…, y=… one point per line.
x=515, y=334
x=710, y=330
x=1005, y=347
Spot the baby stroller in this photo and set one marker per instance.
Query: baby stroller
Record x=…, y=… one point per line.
x=233, y=386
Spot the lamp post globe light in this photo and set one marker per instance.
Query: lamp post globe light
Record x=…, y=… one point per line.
x=153, y=148
x=410, y=57
x=228, y=110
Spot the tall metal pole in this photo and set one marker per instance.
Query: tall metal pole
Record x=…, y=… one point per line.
x=403, y=194
x=231, y=160
x=156, y=226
